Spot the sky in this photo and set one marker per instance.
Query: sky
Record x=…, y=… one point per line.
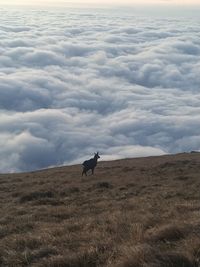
x=100, y=2
x=74, y=82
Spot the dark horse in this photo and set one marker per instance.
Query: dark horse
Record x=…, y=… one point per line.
x=90, y=164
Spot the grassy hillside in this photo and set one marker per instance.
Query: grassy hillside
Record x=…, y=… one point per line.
x=132, y=213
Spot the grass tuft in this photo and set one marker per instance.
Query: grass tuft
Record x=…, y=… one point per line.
x=35, y=196
x=166, y=233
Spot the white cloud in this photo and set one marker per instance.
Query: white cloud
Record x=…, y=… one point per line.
x=72, y=83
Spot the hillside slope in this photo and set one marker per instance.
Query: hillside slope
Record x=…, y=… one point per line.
x=131, y=213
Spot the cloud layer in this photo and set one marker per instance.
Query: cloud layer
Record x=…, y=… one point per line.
x=74, y=82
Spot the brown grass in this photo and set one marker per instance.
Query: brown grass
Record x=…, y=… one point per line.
x=131, y=213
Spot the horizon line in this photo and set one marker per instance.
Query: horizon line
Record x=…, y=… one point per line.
x=98, y=5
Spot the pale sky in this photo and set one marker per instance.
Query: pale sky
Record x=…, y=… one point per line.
x=99, y=2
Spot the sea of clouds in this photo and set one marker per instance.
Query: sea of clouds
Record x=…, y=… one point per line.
x=73, y=82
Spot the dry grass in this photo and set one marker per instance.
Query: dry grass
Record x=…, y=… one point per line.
x=131, y=213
